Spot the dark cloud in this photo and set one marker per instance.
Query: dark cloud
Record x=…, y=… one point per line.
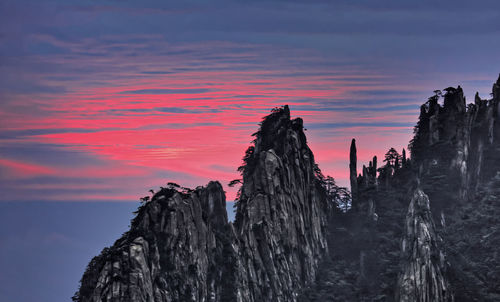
x=337, y=108
x=152, y=111
x=157, y=72
x=250, y=96
x=385, y=93
x=187, y=110
x=168, y=91
x=179, y=126
x=352, y=125
x=48, y=154
x=12, y=134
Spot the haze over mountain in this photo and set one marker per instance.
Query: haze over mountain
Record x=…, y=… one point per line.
x=423, y=227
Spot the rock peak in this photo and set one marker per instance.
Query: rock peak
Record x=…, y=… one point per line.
x=181, y=246
x=274, y=130
x=423, y=275
x=353, y=173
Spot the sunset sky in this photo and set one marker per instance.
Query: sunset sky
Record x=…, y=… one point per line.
x=101, y=101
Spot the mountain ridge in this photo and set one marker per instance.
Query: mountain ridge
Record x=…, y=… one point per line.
x=291, y=241
x=225, y=261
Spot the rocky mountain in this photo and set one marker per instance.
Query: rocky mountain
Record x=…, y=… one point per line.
x=181, y=246
x=418, y=228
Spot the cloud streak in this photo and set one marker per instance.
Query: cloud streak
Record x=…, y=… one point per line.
x=153, y=97
x=168, y=91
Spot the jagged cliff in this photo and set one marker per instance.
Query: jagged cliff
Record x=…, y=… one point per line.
x=178, y=248
x=388, y=248
x=423, y=266
x=181, y=246
x=423, y=228
x=282, y=213
x=455, y=159
x=458, y=141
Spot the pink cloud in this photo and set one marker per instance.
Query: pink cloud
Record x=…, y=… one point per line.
x=186, y=115
x=19, y=169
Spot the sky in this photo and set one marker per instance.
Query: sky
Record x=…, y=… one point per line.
x=101, y=101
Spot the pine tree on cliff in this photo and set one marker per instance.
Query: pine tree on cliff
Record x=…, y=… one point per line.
x=353, y=174
x=392, y=158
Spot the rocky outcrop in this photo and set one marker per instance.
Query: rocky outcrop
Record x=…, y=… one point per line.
x=458, y=138
x=423, y=277
x=353, y=174
x=290, y=243
x=181, y=246
x=455, y=155
x=281, y=218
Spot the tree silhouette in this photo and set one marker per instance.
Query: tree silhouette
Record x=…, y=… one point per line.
x=234, y=182
x=317, y=172
x=392, y=158
x=172, y=185
x=247, y=159
x=339, y=196
x=186, y=190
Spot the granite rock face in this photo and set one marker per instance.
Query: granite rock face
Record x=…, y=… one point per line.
x=423, y=277
x=282, y=214
x=458, y=138
x=290, y=242
x=177, y=249
x=455, y=160
x=181, y=246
